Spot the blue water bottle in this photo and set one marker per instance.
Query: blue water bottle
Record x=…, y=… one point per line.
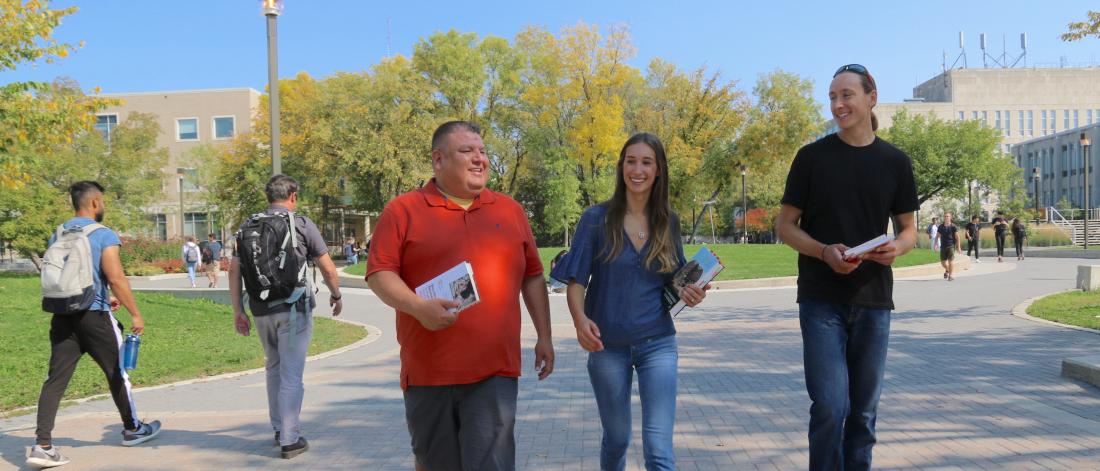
x=130, y=350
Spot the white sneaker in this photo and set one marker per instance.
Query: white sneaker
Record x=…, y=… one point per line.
x=43, y=458
x=144, y=433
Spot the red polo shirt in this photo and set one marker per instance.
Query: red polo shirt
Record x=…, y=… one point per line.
x=422, y=234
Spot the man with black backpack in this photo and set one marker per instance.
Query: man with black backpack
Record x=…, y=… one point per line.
x=271, y=259
x=82, y=320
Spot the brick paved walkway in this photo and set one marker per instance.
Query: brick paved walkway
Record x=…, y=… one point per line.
x=968, y=387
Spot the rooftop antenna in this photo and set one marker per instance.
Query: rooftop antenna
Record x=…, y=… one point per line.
x=985, y=54
x=1023, y=49
x=962, y=52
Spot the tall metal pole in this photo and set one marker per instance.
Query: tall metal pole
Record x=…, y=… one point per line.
x=1085, y=154
x=744, y=209
x=271, y=11
x=181, y=204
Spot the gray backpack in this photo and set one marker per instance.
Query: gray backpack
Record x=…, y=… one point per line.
x=68, y=284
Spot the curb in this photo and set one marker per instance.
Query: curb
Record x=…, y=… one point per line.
x=1020, y=310
x=791, y=281
x=373, y=334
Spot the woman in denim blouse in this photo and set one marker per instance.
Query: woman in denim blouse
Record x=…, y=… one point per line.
x=624, y=252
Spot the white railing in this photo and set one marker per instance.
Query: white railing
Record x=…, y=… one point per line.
x=1055, y=217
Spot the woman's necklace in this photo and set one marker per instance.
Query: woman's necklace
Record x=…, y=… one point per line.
x=641, y=235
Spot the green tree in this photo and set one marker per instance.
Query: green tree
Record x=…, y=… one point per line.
x=1079, y=30
x=948, y=155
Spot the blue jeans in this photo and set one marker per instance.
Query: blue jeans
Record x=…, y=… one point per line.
x=844, y=351
x=191, y=271
x=612, y=373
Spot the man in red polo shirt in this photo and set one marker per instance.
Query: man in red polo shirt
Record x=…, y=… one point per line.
x=460, y=372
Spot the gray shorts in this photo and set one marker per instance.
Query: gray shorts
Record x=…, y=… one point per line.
x=465, y=426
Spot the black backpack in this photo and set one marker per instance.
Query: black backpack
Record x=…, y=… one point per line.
x=269, y=261
x=207, y=255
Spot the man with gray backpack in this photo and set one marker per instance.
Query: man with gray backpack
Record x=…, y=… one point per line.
x=79, y=266
x=271, y=259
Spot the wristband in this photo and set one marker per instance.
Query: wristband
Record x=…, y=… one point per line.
x=823, y=249
x=335, y=298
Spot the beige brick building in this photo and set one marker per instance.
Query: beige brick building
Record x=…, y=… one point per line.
x=187, y=119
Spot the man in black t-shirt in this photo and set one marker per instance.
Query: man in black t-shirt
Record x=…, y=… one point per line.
x=973, y=237
x=1000, y=225
x=841, y=191
x=949, y=244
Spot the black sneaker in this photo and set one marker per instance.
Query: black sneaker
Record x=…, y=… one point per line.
x=144, y=433
x=276, y=438
x=290, y=451
x=43, y=458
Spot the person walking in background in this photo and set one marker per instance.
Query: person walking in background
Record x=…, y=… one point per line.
x=351, y=253
x=94, y=331
x=192, y=257
x=973, y=237
x=933, y=241
x=460, y=373
x=950, y=244
x=843, y=190
x=1000, y=226
x=624, y=253
x=212, y=260
x=1019, y=236
x=284, y=319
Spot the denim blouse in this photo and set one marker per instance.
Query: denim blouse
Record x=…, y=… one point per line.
x=623, y=296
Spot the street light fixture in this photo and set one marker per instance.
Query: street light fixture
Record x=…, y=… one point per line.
x=180, y=174
x=1085, y=156
x=1037, y=177
x=744, y=208
x=272, y=9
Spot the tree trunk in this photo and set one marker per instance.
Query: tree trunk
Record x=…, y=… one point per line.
x=699, y=217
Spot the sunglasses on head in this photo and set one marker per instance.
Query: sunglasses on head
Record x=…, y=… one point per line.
x=856, y=69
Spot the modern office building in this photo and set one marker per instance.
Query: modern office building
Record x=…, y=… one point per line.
x=1021, y=103
x=1054, y=166
x=187, y=119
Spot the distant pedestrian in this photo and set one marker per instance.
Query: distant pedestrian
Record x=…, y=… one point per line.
x=212, y=260
x=949, y=244
x=92, y=329
x=973, y=237
x=1019, y=237
x=933, y=241
x=351, y=251
x=192, y=257
x=1000, y=226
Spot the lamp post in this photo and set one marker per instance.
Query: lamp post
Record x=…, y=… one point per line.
x=1085, y=155
x=180, y=174
x=1037, y=176
x=744, y=208
x=272, y=9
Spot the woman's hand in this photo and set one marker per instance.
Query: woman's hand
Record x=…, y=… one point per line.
x=693, y=295
x=588, y=335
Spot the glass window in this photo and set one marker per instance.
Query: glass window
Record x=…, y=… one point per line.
x=1065, y=116
x=962, y=115
x=187, y=129
x=1044, y=115
x=998, y=115
x=985, y=118
x=196, y=224
x=974, y=115
x=1089, y=115
x=224, y=127
x=105, y=123
x=1008, y=123
x=1021, y=115
x=1030, y=122
x=160, y=226
x=1053, y=121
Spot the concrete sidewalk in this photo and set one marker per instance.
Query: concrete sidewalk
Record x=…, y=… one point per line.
x=969, y=386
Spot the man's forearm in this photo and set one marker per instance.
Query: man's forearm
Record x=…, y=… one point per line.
x=120, y=288
x=538, y=304
x=392, y=290
x=235, y=285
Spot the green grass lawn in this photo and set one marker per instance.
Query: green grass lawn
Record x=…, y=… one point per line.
x=183, y=339
x=742, y=261
x=1081, y=308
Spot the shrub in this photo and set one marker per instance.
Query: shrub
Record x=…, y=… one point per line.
x=138, y=251
x=144, y=270
x=172, y=265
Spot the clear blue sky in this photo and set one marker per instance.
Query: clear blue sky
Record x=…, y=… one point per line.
x=158, y=45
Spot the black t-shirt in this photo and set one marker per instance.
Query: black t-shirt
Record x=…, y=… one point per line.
x=847, y=195
x=999, y=226
x=973, y=229
x=948, y=235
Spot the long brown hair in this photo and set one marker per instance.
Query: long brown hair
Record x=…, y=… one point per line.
x=662, y=254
